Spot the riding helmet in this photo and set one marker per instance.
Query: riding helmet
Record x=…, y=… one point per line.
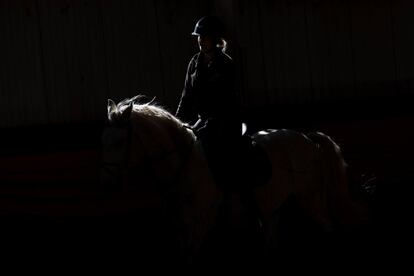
x=209, y=25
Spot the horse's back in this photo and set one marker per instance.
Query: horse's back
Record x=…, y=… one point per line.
x=292, y=150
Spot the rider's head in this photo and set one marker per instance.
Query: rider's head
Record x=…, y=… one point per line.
x=209, y=30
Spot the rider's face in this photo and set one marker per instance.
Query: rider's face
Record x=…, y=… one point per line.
x=205, y=43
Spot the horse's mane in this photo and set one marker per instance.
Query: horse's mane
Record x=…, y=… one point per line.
x=149, y=113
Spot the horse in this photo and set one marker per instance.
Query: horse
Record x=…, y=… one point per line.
x=156, y=159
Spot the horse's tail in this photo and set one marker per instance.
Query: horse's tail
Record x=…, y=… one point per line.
x=342, y=209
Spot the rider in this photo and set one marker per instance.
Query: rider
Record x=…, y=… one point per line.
x=209, y=100
x=210, y=104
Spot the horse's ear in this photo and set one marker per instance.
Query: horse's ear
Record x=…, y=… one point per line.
x=111, y=108
x=126, y=114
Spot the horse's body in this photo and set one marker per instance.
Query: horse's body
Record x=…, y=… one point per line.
x=146, y=145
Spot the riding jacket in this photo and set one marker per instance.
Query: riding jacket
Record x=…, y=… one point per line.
x=209, y=96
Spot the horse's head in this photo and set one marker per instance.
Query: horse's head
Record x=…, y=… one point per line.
x=147, y=150
x=115, y=143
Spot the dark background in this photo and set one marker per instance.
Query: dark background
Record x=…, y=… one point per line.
x=342, y=67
